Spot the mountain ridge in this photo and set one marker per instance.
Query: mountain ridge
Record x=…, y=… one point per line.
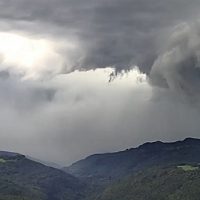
x=121, y=163
x=22, y=178
x=109, y=176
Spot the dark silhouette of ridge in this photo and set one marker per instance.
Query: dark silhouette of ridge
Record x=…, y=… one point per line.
x=118, y=164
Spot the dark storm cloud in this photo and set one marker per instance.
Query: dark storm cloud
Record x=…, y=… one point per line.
x=118, y=33
x=178, y=65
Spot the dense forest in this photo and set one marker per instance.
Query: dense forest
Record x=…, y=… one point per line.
x=164, y=171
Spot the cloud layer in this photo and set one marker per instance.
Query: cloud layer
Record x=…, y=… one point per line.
x=55, y=60
x=114, y=33
x=71, y=116
x=178, y=66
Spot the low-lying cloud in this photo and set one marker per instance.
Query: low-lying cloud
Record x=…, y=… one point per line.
x=74, y=115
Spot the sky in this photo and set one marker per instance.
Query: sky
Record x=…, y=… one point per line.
x=79, y=77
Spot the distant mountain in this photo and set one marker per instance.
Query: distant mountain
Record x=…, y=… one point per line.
x=50, y=164
x=24, y=179
x=104, y=168
x=152, y=171
x=8, y=154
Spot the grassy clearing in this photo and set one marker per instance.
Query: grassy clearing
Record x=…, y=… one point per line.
x=188, y=167
x=2, y=160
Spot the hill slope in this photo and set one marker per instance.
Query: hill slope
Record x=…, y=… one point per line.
x=24, y=179
x=164, y=171
x=171, y=183
x=112, y=166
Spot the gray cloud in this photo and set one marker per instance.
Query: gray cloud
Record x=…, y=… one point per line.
x=68, y=116
x=88, y=115
x=25, y=96
x=118, y=33
x=178, y=66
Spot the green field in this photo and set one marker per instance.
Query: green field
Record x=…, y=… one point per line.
x=2, y=160
x=188, y=167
